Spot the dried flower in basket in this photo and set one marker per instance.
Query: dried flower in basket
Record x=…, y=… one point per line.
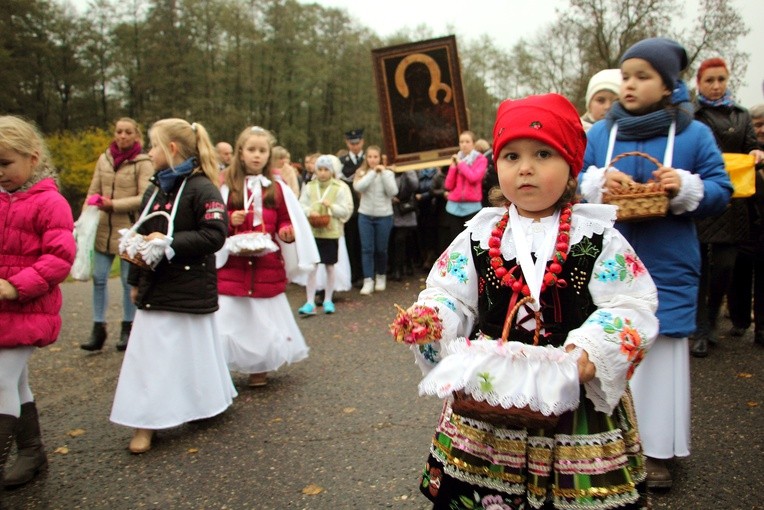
x=417, y=325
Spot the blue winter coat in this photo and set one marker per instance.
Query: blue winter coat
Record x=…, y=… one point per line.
x=669, y=246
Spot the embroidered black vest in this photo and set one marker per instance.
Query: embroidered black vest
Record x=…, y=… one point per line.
x=562, y=309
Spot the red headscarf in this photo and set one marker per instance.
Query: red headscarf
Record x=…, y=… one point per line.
x=548, y=118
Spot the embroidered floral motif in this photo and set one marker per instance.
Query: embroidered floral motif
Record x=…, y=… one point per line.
x=489, y=502
x=481, y=285
x=621, y=331
x=449, y=303
x=624, y=268
x=453, y=264
x=486, y=382
x=429, y=353
x=585, y=248
x=431, y=479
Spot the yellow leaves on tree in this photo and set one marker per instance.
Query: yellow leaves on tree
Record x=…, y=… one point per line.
x=75, y=156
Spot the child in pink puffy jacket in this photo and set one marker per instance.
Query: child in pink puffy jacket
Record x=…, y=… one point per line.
x=464, y=184
x=36, y=253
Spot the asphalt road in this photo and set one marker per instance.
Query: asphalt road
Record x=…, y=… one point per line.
x=344, y=429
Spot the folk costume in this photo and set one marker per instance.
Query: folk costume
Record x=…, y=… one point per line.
x=518, y=301
x=174, y=369
x=606, y=307
x=256, y=324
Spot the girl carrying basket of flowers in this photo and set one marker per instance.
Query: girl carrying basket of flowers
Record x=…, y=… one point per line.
x=573, y=285
x=174, y=369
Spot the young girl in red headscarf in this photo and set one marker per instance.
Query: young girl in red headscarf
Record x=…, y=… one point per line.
x=535, y=270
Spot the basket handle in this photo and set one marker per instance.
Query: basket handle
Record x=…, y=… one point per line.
x=154, y=215
x=639, y=154
x=262, y=227
x=512, y=312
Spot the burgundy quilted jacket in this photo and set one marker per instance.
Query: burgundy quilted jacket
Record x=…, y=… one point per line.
x=257, y=277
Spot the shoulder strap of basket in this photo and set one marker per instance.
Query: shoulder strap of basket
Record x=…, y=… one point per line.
x=145, y=213
x=668, y=156
x=329, y=194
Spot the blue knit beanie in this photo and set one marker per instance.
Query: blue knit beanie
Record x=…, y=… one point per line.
x=667, y=57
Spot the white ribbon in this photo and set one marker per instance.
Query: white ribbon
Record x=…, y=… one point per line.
x=253, y=186
x=533, y=272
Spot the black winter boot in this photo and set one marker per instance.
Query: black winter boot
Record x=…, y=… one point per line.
x=124, y=335
x=97, y=337
x=700, y=347
x=31, y=459
x=7, y=426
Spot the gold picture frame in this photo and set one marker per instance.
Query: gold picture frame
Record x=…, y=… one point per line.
x=421, y=102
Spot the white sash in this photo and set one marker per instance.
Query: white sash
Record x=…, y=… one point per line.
x=668, y=156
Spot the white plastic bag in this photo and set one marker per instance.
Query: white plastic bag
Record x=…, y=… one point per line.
x=84, y=234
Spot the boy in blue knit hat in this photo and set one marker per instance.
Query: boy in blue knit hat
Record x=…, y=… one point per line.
x=653, y=115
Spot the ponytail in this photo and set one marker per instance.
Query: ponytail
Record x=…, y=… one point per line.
x=192, y=141
x=206, y=153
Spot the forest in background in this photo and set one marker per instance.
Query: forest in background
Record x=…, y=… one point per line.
x=301, y=70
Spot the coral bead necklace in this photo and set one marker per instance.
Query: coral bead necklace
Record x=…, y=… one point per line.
x=553, y=268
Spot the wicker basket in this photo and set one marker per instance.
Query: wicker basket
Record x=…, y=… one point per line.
x=320, y=221
x=639, y=201
x=134, y=236
x=464, y=405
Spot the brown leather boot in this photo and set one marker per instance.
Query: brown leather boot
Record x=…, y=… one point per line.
x=31, y=459
x=658, y=474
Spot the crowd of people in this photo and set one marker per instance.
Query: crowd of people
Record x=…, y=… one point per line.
x=513, y=234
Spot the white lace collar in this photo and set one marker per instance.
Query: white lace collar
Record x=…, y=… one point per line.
x=588, y=219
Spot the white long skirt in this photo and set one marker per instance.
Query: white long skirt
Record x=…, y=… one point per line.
x=259, y=334
x=661, y=391
x=173, y=372
x=342, y=280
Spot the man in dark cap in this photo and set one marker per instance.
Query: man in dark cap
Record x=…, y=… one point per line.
x=350, y=163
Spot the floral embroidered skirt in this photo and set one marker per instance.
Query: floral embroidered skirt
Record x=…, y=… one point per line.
x=590, y=460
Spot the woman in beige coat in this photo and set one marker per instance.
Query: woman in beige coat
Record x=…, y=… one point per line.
x=121, y=177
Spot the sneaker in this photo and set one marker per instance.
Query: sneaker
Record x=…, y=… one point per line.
x=328, y=307
x=368, y=286
x=307, y=309
x=380, y=283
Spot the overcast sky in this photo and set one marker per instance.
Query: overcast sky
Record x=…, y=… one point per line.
x=509, y=20
x=506, y=21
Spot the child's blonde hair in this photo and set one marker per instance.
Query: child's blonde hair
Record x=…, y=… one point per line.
x=235, y=174
x=365, y=163
x=136, y=126
x=482, y=145
x=19, y=135
x=192, y=141
x=278, y=153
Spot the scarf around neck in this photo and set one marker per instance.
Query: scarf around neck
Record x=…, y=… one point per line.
x=120, y=156
x=725, y=100
x=169, y=176
x=653, y=124
x=469, y=158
